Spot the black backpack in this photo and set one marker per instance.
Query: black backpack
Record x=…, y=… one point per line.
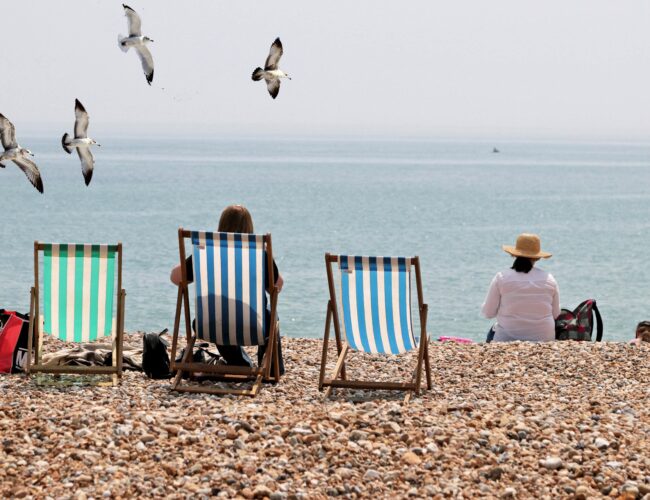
x=155, y=360
x=579, y=323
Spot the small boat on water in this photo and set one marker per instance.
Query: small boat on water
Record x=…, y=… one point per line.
x=495, y=150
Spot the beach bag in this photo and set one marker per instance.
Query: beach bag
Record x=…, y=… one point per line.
x=14, y=335
x=579, y=323
x=155, y=360
x=200, y=355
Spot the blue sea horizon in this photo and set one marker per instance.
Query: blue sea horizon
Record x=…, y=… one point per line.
x=451, y=202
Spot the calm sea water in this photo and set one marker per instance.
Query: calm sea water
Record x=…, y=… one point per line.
x=452, y=203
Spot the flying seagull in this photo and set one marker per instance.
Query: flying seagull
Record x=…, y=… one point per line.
x=81, y=141
x=271, y=73
x=137, y=41
x=16, y=153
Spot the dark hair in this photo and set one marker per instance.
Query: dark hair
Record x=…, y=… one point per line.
x=236, y=219
x=522, y=264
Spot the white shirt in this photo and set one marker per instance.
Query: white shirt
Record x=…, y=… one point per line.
x=524, y=304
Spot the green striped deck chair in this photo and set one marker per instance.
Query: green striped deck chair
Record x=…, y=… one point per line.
x=231, y=275
x=82, y=301
x=375, y=316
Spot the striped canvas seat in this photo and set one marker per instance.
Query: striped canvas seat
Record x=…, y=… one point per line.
x=78, y=291
x=374, y=315
x=229, y=275
x=82, y=300
x=235, y=305
x=376, y=303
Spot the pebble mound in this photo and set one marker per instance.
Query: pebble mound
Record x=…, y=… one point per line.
x=557, y=420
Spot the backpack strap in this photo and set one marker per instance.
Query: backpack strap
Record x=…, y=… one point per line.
x=599, y=323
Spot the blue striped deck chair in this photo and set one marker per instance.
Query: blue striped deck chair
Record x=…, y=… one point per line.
x=374, y=315
x=82, y=300
x=231, y=271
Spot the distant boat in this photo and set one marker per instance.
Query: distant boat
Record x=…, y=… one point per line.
x=495, y=150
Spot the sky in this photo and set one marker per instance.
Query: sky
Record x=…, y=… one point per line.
x=418, y=68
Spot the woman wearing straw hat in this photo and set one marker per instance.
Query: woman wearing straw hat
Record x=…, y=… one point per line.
x=525, y=300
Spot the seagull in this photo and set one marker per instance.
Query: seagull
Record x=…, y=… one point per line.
x=271, y=73
x=81, y=141
x=137, y=41
x=16, y=153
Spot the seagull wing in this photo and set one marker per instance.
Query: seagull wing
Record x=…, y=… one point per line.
x=81, y=121
x=147, y=62
x=7, y=133
x=31, y=171
x=87, y=163
x=273, y=85
x=274, y=55
x=135, y=25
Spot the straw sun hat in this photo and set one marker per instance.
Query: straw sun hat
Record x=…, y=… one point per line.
x=528, y=245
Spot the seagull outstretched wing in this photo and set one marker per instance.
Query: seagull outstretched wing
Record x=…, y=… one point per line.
x=273, y=86
x=274, y=56
x=31, y=171
x=81, y=121
x=87, y=163
x=147, y=62
x=133, y=19
x=7, y=133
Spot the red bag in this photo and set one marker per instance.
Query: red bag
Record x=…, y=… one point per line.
x=14, y=333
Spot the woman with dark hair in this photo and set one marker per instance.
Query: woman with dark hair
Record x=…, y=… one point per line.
x=236, y=219
x=524, y=299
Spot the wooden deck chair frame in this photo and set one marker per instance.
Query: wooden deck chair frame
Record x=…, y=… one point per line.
x=224, y=373
x=35, y=339
x=338, y=378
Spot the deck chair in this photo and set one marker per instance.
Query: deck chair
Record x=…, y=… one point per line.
x=376, y=318
x=230, y=271
x=81, y=303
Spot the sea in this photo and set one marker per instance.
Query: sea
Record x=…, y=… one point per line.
x=453, y=203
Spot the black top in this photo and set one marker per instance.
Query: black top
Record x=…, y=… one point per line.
x=189, y=271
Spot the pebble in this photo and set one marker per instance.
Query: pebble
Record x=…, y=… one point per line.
x=411, y=458
x=478, y=432
x=509, y=493
x=371, y=475
x=601, y=443
x=261, y=491
x=552, y=463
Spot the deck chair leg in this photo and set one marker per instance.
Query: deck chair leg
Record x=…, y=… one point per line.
x=276, y=353
x=38, y=348
x=257, y=384
x=427, y=365
x=30, y=335
x=272, y=340
x=326, y=337
x=186, y=358
x=177, y=322
x=120, y=332
x=337, y=369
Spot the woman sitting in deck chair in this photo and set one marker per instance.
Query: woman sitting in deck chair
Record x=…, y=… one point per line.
x=236, y=219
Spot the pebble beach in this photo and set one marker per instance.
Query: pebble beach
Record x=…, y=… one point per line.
x=556, y=420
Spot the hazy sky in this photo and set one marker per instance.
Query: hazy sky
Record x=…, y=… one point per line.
x=500, y=68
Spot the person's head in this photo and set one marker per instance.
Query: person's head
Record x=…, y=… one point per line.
x=523, y=264
x=643, y=331
x=526, y=252
x=236, y=219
